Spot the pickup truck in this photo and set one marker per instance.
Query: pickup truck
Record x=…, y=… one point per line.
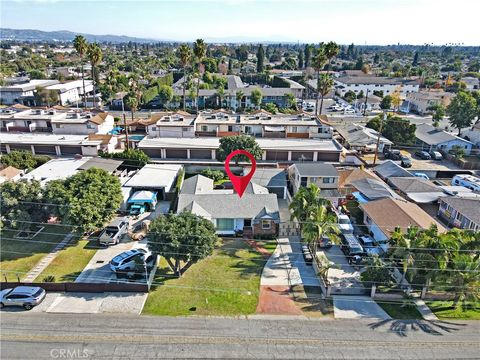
x=113, y=233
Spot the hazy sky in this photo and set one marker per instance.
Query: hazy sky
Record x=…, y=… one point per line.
x=344, y=21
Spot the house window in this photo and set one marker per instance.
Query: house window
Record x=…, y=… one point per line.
x=248, y=129
x=294, y=129
x=204, y=128
x=154, y=128
x=225, y=224
x=185, y=129
x=230, y=128
x=266, y=224
x=303, y=181
x=90, y=126
x=328, y=180
x=247, y=222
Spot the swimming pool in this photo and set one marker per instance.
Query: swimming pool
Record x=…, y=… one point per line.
x=135, y=137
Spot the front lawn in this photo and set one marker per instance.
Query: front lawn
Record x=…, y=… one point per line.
x=69, y=262
x=444, y=310
x=20, y=255
x=397, y=310
x=226, y=283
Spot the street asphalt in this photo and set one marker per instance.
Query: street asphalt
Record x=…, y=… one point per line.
x=29, y=335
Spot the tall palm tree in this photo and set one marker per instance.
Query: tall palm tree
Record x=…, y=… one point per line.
x=324, y=85
x=81, y=46
x=132, y=103
x=331, y=51
x=199, y=50
x=403, y=249
x=305, y=204
x=220, y=94
x=239, y=95
x=185, y=55
x=94, y=53
x=318, y=62
x=318, y=224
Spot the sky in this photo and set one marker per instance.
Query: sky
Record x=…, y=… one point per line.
x=344, y=21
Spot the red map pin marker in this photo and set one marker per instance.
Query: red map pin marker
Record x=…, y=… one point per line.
x=240, y=183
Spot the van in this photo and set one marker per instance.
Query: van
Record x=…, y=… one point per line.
x=350, y=245
x=469, y=181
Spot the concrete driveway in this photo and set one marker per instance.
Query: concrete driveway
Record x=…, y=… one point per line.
x=98, y=269
x=357, y=307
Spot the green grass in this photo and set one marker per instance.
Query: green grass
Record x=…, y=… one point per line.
x=397, y=310
x=269, y=245
x=18, y=256
x=69, y=262
x=225, y=283
x=444, y=310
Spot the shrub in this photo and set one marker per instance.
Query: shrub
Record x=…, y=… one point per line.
x=215, y=175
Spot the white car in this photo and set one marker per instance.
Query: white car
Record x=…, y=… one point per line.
x=349, y=111
x=344, y=224
x=128, y=260
x=25, y=296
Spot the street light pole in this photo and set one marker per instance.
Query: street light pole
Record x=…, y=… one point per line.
x=125, y=125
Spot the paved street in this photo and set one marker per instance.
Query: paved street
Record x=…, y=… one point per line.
x=357, y=307
x=28, y=335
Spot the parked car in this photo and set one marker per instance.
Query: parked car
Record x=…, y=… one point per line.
x=351, y=248
x=349, y=111
x=344, y=224
x=325, y=242
x=423, y=155
x=369, y=246
x=435, y=155
x=405, y=162
x=25, y=296
x=393, y=154
x=421, y=175
x=114, y=231
x=130, y=260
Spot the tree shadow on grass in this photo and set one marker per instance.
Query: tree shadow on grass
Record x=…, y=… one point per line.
x=402, y=327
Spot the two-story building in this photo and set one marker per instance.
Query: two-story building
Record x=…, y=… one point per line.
x=78, y=123
x=71, y=92
x=388, y=85
x=422, y=101
x=22, y=90
x=170, y=124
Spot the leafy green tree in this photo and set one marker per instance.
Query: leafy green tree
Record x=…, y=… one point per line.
x=91, y=197
x=462, y=110
x=386, y=103
x=239, y=95
x=130, y=157
x=376, y=272
x=37, y=74
x=182, y=239
x=374, y=123
x=165, y=93
x=185, y=56
x=256, y=97
x=439, y=113
x=300, y=59
x=81, y=47
x=260, y=59
x=271, y=108
x=291, y=102
x=23, y=159
x=350, y=96
x=21, y=204
x=399, y=130
x=215, y=175
x=308, y=55
x=229, y=144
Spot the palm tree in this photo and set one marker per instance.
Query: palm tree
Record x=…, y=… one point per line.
x=318, y=62
x=132, y=103
x=324, y=85
x=305, y=204
x=185, y=55
x=221, y=94
x=238, y=97
x=318, y=224
x=95, y=56
x=81, y=46
x=403, y=248
x=200, y=50
x=331, y=51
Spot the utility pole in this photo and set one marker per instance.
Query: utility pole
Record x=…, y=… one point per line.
x=125, y=125
x=378, y=137
x=365, y=105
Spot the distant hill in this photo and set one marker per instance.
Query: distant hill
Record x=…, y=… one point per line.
x=63, y=35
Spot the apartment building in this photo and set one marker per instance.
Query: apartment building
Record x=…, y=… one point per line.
x=357, y=84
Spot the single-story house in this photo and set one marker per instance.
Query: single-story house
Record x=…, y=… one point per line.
x=361, y=138
x=109, y=165
x=463, y=213
x=371, y=189
x=10, y=173
x=254, y=214
x=348, y=176
x=431, y=138
x=391, y=169
x=161, y=178
x=56, y=169
x=384, y=215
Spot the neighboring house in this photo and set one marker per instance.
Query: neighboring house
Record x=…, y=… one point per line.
x=472, y=83
x=22, y=90
x=431, y=138
x=50, y=144
x=463, y=213
x=254, y=214
x=343, y=84
x=275, y=180
x=76, y=123
x=384, y=215
x=170, y=124
x=371, y=189
x=274, y=150
x=372, y=103
x=421, y=101
x=56, y=169
x=361, y=138
x=109, y=165
x=348, y=176
x=473, y=134
x=391, y=169
x=10, y=173
x=71, y=92
x=262, y=124
x=160, y=178
x=108, y=142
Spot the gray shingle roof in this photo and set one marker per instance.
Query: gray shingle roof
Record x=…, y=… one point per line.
x=315, y=169
x=413, y=185
x=373, y=189
x=269, y=177
x=432, y=136
x=466, y=206
x=390, y=169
